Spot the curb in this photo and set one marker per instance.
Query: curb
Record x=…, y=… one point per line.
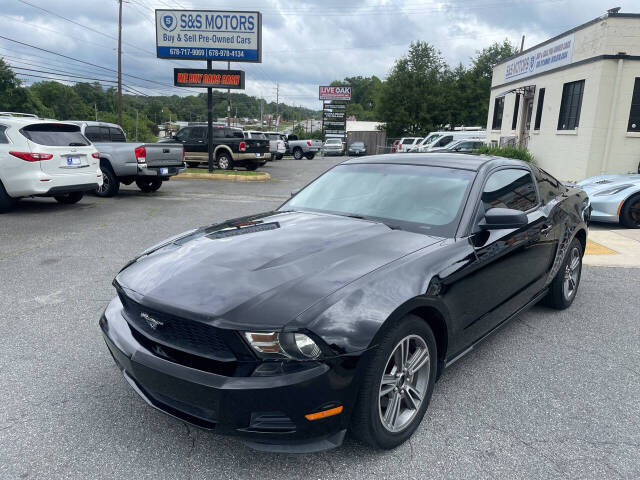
x=263, y=177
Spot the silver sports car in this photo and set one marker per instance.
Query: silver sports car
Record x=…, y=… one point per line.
x=614, y=198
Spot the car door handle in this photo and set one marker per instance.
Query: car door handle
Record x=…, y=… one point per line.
x=546, y=229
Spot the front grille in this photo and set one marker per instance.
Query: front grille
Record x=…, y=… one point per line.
x=177, y=333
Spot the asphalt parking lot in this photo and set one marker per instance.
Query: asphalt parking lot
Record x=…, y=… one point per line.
x=553, y=395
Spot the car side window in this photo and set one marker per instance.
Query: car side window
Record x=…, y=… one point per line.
x=3, y=136
x=93, y=133
x=510, y=188
x=465, y=146
x=183, y=134
x=445, y=140
x=237, y=134
x=117, y=135
x=219, y=132
x=198, y=133
x=549, y=187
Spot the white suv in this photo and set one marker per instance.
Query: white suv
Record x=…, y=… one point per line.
x=45, y=158
x=407, y=143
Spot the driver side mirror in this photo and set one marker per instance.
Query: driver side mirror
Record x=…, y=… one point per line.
x=499, y=218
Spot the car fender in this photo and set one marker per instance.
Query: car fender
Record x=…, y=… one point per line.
x=226, y=148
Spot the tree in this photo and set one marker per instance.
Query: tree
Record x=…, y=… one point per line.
x=365, y=92
x=15, y=98
x=412, y=100
x=477, y=85
x=63, y=100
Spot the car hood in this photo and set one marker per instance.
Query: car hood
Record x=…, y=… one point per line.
x=262, y=271
x=600, y=183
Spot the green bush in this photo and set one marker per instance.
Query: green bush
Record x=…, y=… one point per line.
x=508, y=152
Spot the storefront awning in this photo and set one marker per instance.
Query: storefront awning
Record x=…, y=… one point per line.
x=527, y=89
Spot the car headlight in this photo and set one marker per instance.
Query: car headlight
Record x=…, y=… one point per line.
x=294, y=345
x=614, y=190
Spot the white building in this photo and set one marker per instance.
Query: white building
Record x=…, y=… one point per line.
x=574, y=100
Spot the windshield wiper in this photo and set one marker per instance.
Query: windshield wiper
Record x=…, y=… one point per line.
x=77, y=144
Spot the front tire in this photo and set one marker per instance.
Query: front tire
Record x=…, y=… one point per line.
x=110, y=183
x=564, y=287
x=297, y=153
x=69, y=198
x=149, y=185
x=193, y=164
x=630, y=212
x=397, y=384
x=279, y=156
x=309, y=156
x=252, y=166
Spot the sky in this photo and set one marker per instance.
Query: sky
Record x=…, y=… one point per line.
x=306, y=43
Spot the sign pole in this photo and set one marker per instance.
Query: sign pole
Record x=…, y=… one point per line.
x=210, y=122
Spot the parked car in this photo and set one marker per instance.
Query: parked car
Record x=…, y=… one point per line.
x=394, y=146
x=302, y=148
x=459, y=146
x=357, y=149
x=230, y=148
x=45, y=158
x=614, y=198
x=442, y=139
x=340, y=309
x=406, y=144
x=147, y=164
x=333, y=146
x=277, y=145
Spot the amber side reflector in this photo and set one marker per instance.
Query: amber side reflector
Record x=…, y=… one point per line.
x=324, y=413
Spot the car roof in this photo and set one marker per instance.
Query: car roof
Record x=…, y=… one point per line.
x=447, y=160
x=93, y=123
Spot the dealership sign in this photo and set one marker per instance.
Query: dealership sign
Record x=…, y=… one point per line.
x=209, y=35
x=552, y=55
x=335, y=93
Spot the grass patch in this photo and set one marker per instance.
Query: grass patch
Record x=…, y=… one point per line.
x=507, y=152
x=245, y=173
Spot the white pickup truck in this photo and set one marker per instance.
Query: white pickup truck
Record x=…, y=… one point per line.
x=147, y=164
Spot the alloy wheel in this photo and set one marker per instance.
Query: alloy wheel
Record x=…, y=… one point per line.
x=106, y=183
x=404, y=383
x=634, y=211
x=571, y=273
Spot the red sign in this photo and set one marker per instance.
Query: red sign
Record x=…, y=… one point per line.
x=190, y=77
x=335, y=93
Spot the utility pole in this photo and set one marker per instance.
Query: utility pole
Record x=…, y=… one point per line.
x=522, y=44
x=136, y=124
x=120, y=62
x=261, y=112
x=95, y=107
x=277, y=104
x=228, y=100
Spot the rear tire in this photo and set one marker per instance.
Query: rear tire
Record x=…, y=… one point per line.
x=630, y=212
x=69, y=198
x=225, y=162
x=279, y=156
x=385, y=385
x=297, y=153
x=6, y=202
x=110, y=183
x=564, y=287
x=149, y=185
x=252, y=166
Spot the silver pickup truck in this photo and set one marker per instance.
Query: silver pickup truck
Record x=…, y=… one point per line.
x=302, y=148
x=147, y=164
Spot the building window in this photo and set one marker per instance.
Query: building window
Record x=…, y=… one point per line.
x=634, y=114
x=570, y=106
x=498, y=107
x=514, y=121
x=536, y=125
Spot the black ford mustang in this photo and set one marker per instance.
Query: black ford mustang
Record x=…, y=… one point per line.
x=339, y=310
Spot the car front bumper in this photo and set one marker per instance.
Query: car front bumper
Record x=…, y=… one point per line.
x=266, y=412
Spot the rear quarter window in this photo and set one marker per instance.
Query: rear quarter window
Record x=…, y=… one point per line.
x=548, y=186
x=55, y=134
x=3, y=136
x=117, y=135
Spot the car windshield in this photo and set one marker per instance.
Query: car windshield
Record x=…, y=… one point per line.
x=258, y=135
x=431, y=138
x=357, y=144
x=336, y=141
x=418, y=198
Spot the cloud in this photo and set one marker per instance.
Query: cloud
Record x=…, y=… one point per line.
x=305, y=43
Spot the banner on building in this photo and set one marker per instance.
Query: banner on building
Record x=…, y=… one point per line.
x=547, y=57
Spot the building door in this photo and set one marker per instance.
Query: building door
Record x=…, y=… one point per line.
x=525, y=124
